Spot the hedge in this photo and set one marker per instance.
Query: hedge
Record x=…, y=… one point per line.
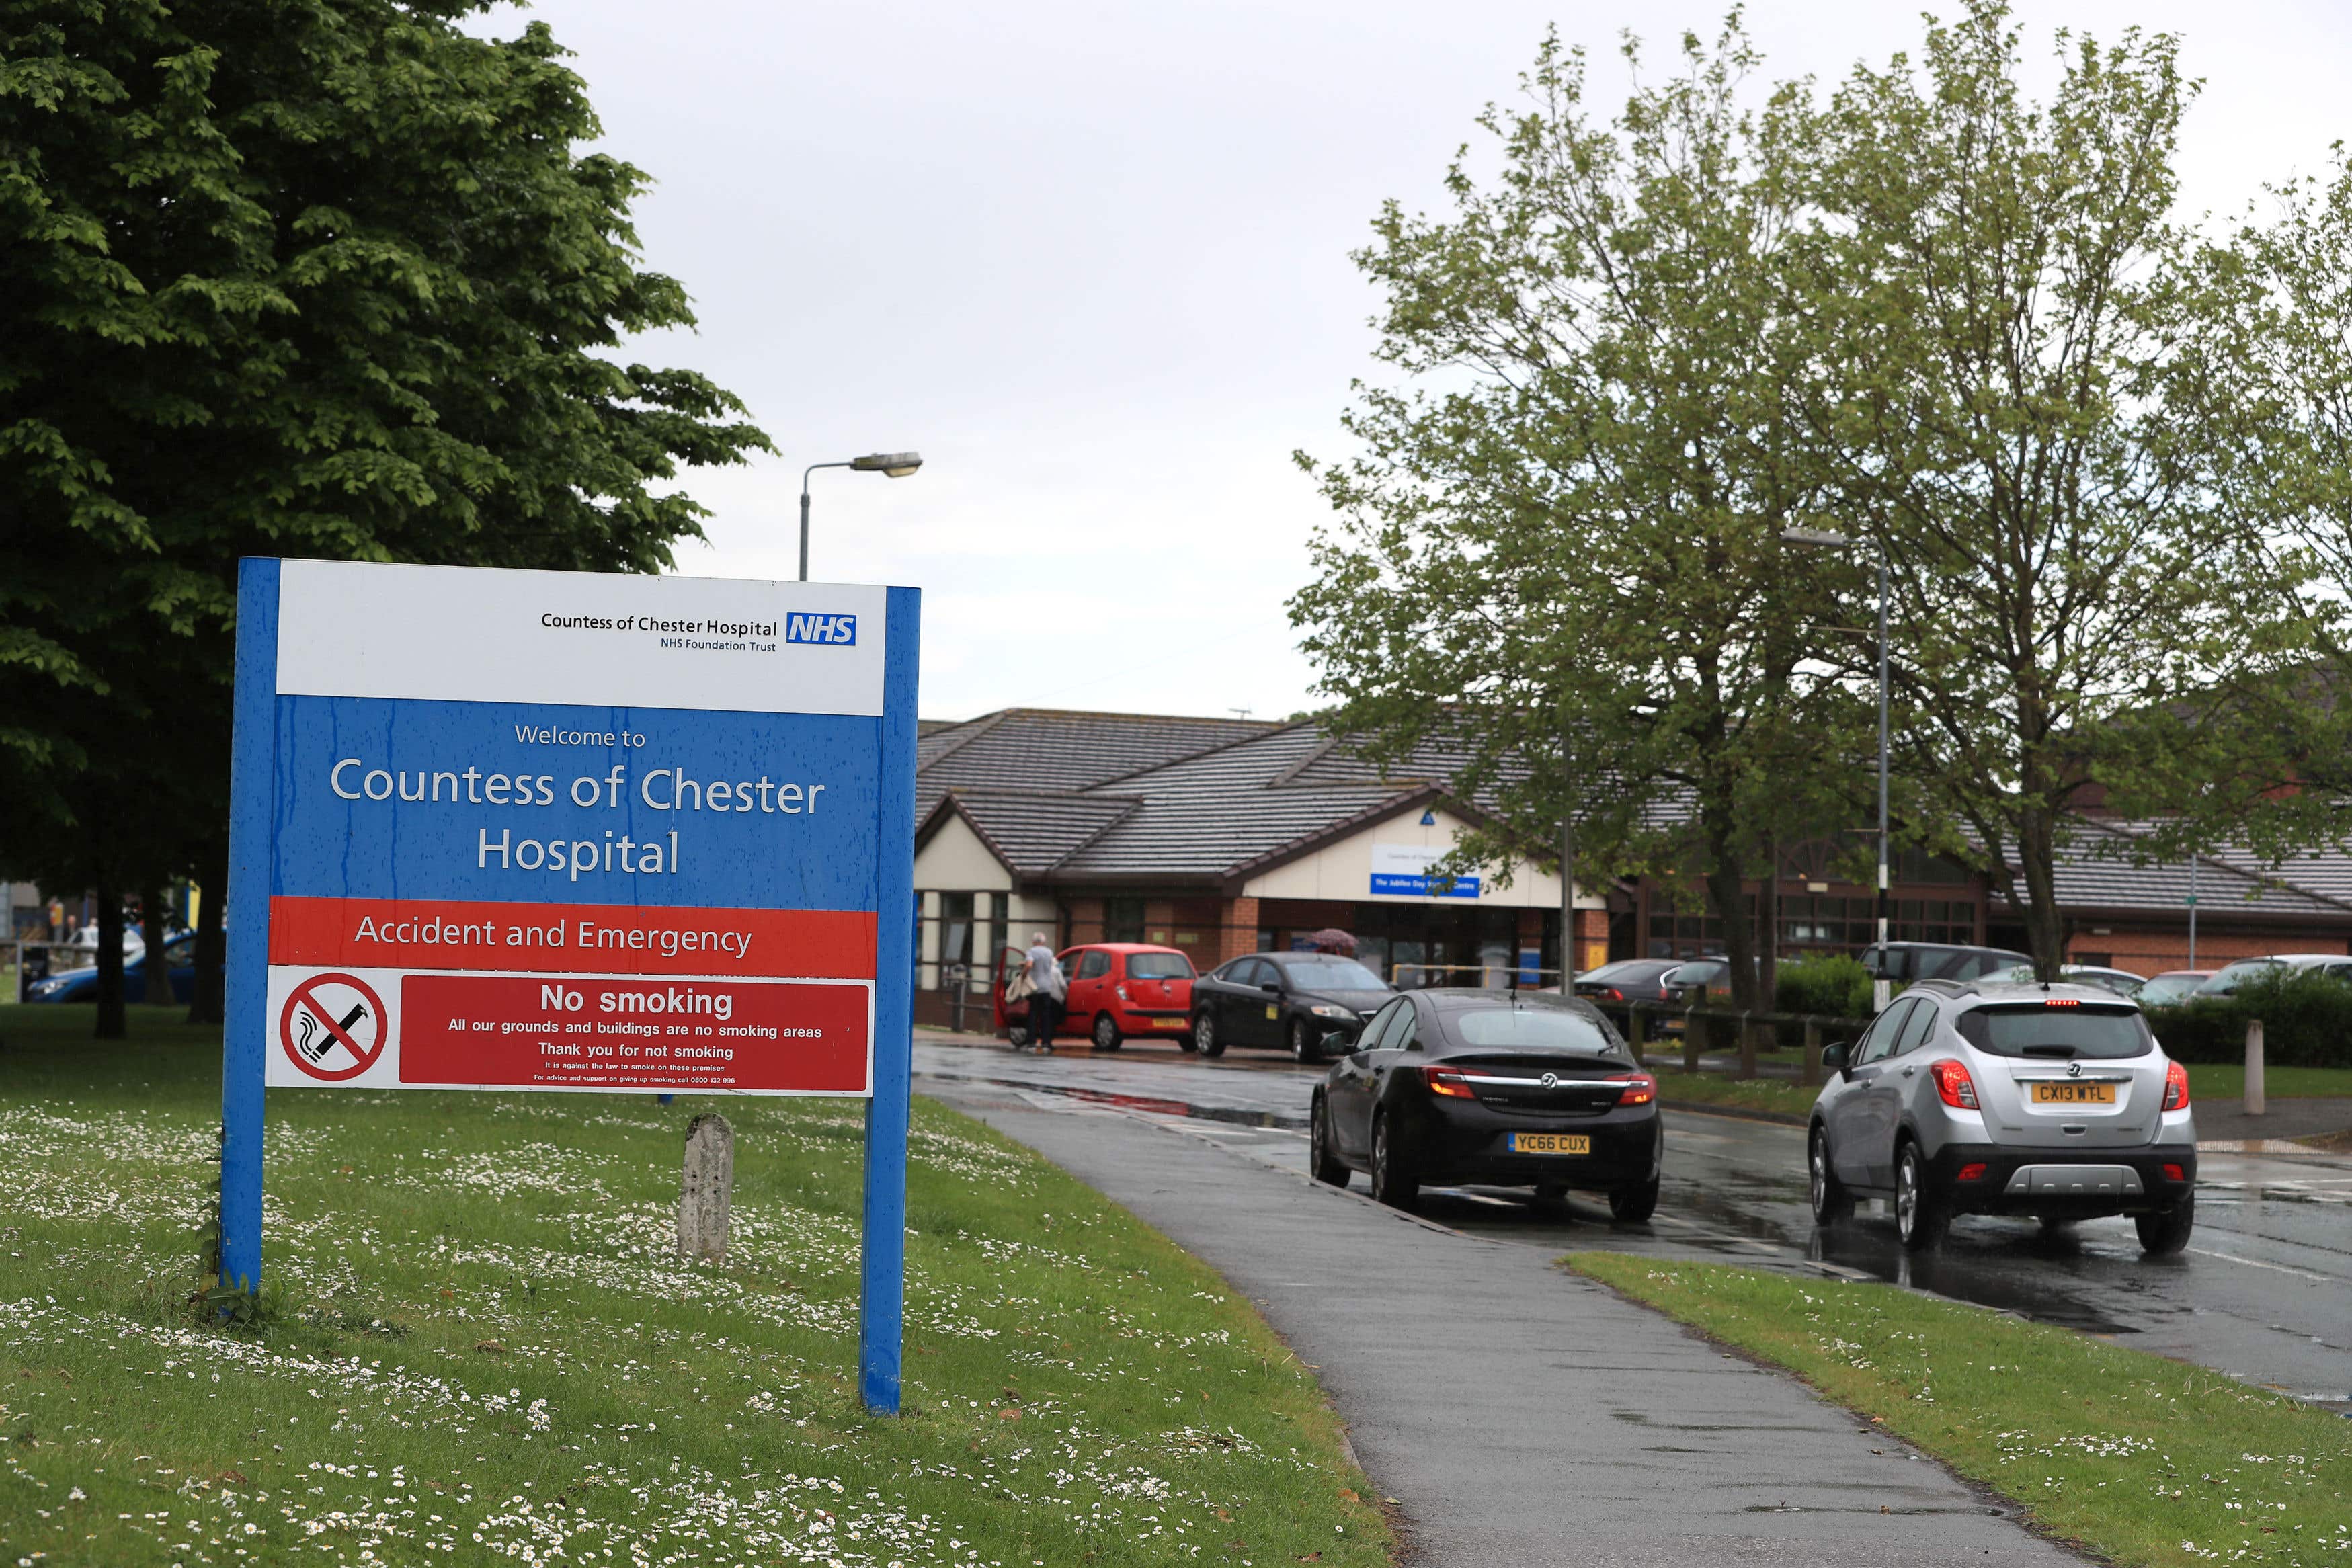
x=2307, y=1022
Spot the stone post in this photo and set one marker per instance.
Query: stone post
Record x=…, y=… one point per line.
x=2257, y=1099
x=1812, y=1078
x=1634, y=1035
x=706, y=1189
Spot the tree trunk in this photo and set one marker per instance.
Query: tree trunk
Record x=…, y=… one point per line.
x=207, y=1001
x=109, y=962
x=2045, y=927
x=1767, y=965
x=1726, y=894
x=156, y=967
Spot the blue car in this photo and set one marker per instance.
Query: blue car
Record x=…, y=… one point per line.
x=81, y=985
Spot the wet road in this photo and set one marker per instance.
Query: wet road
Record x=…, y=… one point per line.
x=2265, y=1292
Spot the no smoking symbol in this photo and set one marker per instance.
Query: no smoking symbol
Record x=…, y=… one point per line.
x=333, y=1027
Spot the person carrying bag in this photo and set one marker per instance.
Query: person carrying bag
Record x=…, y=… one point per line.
x=1048, y=987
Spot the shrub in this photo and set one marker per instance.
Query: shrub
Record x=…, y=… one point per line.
x=2307, y=1022
x=1835, y=985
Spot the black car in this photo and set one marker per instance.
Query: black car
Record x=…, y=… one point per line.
x=1635, y=981
x=1906, y=961
x=1298, y=1002
x=1459, y=1085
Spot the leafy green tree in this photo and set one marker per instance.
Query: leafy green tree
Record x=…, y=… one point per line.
x=1557, y=555
x=311, y=277
x=2010, y=376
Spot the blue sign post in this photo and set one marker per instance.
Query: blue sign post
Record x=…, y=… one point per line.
x=573, y=832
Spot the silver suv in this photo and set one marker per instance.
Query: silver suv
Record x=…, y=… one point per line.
x=1982, y=1098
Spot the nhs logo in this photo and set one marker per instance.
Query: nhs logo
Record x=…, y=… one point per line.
x=836, y=629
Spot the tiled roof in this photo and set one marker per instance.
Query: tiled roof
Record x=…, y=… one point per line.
x=1037, y=749
x=1033, y=832
x=2095, y=871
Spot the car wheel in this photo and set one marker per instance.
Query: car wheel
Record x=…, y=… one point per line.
x=1919, y=1217
x=1106, y=1032
x=1394, y=1182
x=1635, y=1205
x=1306, y=1044
x=1204, y=1036
x=1321, y=1157
x=2166, y=1233
x=1016, y=1035
x=1831, y=1202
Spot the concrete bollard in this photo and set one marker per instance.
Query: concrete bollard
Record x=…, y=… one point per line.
x=706, y=1189
x=1694, y=1036
x=1811, y=1074
x=2257, y=1101
x=1747, y=1047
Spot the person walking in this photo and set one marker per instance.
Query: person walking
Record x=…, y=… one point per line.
x=1046, y=988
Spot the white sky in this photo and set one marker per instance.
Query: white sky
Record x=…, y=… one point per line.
x=1092, y=261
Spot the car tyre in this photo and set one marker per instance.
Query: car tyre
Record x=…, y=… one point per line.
x=1106, y=1032
x=1204, y=1036
x=1919, y=1217
x=1322, y=1158
x=2161, y=1235
x=1306, y=1044
x=1394, y=1181
x=1635, y=1205
x=1831, y=1202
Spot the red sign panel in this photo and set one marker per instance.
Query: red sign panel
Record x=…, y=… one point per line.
x=569, y=938
x=616, y=1032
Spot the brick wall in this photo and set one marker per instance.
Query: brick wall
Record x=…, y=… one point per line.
x=1239, y=933
x=2151, y=949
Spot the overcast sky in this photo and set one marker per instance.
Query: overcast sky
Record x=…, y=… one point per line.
x=1092, y=261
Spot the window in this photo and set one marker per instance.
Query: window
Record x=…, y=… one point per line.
x=1406, y=1036
x=1252, y=972
x=1331, y=974
x=1376, y=1033
x=1532, y=1028
x=1095, y=965
x=2061, y=1034
x=1922, y=1022
x=1122, y=920
x=1159, y=967
x=1879, y=1043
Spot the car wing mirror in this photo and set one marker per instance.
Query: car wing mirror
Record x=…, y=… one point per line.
x=1271, y=987
x=1833, y=1056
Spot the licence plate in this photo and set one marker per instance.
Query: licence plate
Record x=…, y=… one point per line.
x=2073, y=1093
x=1551, y=1142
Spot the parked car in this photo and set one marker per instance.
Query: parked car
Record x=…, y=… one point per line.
x=1458, y=1085
x=2123, y=982
x=1635, y=981
x=1116, y=990
x=1904, y=962
x=1307, y=1003
x=1975, y=1098
x=1690, y=983
x=2171, y=987
x=2230, y=977
x=81, y=985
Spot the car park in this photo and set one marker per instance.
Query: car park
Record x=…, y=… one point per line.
x=1968, y=1097
x=1307, y=1003
x=1455, y=1085
x=2123, y=982
x=2230, y=977
x=1902, y=962
x=2171, y=987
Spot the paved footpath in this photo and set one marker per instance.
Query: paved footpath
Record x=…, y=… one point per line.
x=1523, y=1416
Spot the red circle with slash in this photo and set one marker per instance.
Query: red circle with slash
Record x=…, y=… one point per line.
x=311, y=1028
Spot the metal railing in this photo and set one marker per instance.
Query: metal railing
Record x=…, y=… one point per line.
x=1815, y=1029
x=1514, y=976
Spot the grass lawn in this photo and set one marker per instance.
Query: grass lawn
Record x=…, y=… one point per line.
x=2143, y=1459
x=1717, y=1089
x=477, y=1340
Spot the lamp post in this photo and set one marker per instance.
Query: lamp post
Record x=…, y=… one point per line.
x=1880, y=987
x=890, y=465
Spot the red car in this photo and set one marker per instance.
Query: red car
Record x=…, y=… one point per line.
x=1116, y=990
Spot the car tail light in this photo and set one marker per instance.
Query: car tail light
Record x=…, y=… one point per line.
x=1612, y=994
x=2062, y=1002
x=1449, y=1082
x=1972, y=1173
x=2175, y=1088
x=2173, y=1172
x=1639, y=1088
x=1954, y=1084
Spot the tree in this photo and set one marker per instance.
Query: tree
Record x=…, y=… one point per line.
x=2010, y=381
x=320, y=278
x=1558, y=555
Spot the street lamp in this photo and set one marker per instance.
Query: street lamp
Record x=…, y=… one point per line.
x=890, y=465
x=1880, y=990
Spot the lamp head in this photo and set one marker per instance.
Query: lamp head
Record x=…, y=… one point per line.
x=891, y=465
x=1815, y=537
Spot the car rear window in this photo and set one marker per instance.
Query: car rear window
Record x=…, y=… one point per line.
x=1530, y=1029
x=2061, y=1032
x=1160, y=966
